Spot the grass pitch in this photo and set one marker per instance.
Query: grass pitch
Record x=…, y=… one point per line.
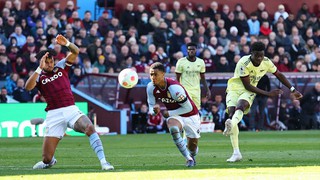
x=266, y=155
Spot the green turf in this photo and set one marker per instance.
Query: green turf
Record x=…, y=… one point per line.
x=153, y=152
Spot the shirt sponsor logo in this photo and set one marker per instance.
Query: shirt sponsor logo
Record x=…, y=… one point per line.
x=167, y=100
x=50, y=79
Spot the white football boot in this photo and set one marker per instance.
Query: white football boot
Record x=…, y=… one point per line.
x=227, y=128
x=41, y=165
x=107, y=166
x=235, y=158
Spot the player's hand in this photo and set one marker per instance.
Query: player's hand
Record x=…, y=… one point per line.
x=296, y=95
x=43, y=60
x=61, y=40
x=165, y=114
x=275, y=92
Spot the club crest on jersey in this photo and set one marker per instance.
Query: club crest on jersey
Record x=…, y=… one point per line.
x=241, y=70
x=168, y=94
x=55, y=69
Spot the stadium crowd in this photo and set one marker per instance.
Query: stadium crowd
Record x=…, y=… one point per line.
x=141, y=36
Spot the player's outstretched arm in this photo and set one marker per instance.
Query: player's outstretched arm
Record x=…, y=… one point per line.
x=31, y=82
x=295, y=93
x=72, y=47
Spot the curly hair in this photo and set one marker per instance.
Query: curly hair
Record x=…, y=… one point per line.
x=258, y=46
x=51, y=52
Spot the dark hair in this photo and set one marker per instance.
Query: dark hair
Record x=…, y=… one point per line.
x=157, y=65
x=258, y=46
x=192, y=44
x=51, y=52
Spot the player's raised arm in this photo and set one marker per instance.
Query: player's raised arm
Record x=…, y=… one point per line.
x=31, y=82
x=179, y=95
x=285, y=81
x=72, y=47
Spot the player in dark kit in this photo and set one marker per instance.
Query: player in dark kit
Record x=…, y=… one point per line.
x=53, y=83
x=182, y=112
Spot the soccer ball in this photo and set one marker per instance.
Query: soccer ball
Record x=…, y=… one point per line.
x=128, y=78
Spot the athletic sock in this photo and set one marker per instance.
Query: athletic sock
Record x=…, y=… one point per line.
x=180, y=143
x=236, y=118
x=52, y=160
x=234, y=138
x=96, y=145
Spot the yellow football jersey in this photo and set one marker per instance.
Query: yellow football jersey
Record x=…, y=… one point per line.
x=190, y=72
x=246, y=68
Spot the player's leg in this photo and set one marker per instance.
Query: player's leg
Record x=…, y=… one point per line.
x=193, y=148
x=243, y=106
x=175, y=127
x=192, y=131
x=55, y=128
x=48, y=148
x=84, y=125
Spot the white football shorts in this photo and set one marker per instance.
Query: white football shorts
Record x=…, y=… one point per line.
x=191, y=125
x=58, y=120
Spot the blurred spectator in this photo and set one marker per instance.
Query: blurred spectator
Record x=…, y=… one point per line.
x=86, y=21
x=296, y=117
x=213, y=10
x=100, y=64
x=155, y=122
x=76, y=76
x=103, y=23
x=310, y=104
x=223, y=65
x=139, y=120
x=176, y=9
x=17, y=11
x=21, y=94
x=208, y=61
x=57, y=9
x=69, y=9
x=11, y=82
x=214, y=116
x=200, y=11
x=265, y=28
x=20, y=67
x=254, y=24
x=143, y=25
x=3, y=95
x=283, y=40
x=128, y=17
x=297, y=49
x=5, y=66
x=304, y=10
x=42, y=8
x=281, y=12
x=242, y=25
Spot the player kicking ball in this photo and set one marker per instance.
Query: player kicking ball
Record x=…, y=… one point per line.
x=182, y=112
x=241, y=91
x=53, y=83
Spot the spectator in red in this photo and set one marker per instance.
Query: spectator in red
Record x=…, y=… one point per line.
x=155, y=122
x=265, y=28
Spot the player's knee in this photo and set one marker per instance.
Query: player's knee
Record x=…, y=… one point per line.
x=46, y=158
x=89, y=129
x=174, y=129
